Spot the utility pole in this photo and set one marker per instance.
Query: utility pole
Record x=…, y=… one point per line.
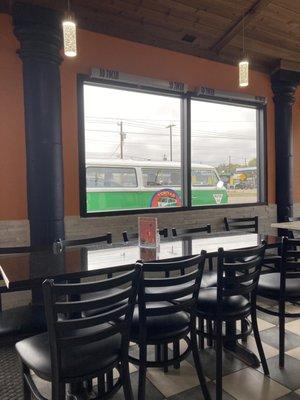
x=171, y=140
x=122, y=138
x=229, y=163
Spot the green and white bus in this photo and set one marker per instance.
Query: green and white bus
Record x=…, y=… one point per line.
x=126, y=184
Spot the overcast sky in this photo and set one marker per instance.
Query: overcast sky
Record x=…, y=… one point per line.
x=218, y=131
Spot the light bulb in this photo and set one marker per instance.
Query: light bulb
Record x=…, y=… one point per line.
x=69, y=32
x=244, y=73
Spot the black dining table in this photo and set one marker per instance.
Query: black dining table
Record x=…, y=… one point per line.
x=28, y=271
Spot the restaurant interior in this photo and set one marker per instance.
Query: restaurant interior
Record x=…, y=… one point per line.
x=141, y=268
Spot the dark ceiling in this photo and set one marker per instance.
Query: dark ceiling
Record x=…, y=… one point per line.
x=206, y=28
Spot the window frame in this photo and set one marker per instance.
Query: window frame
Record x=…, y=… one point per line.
x=185, y=115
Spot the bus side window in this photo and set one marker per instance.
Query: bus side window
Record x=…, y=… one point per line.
x=204, y=177
x=161, y=177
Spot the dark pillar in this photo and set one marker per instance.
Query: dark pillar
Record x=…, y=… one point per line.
x=284, y=97
x=38, y=30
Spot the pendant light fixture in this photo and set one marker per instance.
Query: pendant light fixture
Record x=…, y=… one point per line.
x=244, y=64
x=69, y=33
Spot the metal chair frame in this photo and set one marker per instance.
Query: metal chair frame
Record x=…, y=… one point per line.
x=4, y=289
x=235, y=277
x=61, y=244
x=132, y=236
x=181, y=295
x=247, y=223
x=62, y=299
x=289, y=269
x=206, y=228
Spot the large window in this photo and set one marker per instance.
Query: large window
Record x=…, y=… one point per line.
x=132, y=149
x=225, y=137
x=158, y=150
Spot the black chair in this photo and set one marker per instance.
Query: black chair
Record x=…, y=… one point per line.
x=63, y=243
x=179, y=232
x=132, y=236
x=249, y=224
x=22, y=321
x=207, y=229
x=291, y=234
x=228, y=302
x=283, y=286
x=82, y=348
x=166, y=314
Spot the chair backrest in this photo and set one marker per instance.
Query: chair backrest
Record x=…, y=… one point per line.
x=20, y=250
x=63, y=243
x=238, y=272
x=114, y=312
x=132, y=236
x=178, y=232
x=291, y=234
x=25, y=249
x=290, y=259
x=249, y=224
x=178, y=293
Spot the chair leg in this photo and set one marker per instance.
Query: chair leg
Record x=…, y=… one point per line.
x=110, y=380
x=281, y=333
x=157, y=352
x=101, y=385
x=201, y=329
x=209, y=328
x=210, y=264
x=142, y=371
x=89, y=385
x=26, y=389
x=219, y=348
x=127, y=389
x=244, y=327
x=165, y=356
x=198, y=365
x=176, y=352
x=258, y=342
x=58, y=390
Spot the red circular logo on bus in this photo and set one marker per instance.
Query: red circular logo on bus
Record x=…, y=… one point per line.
x=165, y=198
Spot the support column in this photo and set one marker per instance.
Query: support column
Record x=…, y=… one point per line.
x=284, y=98
x=38, y=30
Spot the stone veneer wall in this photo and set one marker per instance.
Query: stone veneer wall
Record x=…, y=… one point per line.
x=77, y=227
x=16, y=233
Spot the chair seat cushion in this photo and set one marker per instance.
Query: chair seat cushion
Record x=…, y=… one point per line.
x=22, y=321
x=269, y=286
x=76, y=360
x=160, y=327
x=99, y=295
x=232, y=306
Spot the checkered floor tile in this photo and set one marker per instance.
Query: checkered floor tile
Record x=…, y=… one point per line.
x=240, y=381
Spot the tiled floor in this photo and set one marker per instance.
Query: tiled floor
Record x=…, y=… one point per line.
x=240, y=381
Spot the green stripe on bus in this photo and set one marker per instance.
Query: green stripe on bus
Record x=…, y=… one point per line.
x=112, y=201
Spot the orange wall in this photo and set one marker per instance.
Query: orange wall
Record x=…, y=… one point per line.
x=12, y=132
x=296, y=130
x=95, y=50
